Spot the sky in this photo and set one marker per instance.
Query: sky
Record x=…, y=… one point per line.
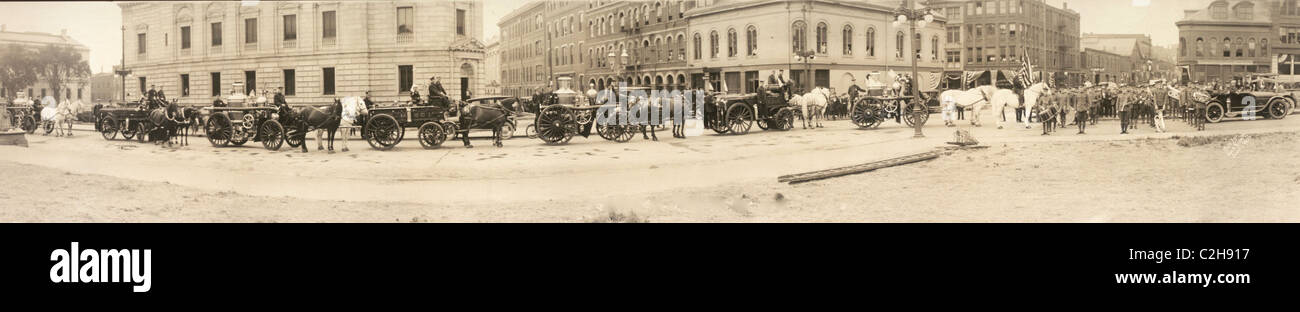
x=98, y=24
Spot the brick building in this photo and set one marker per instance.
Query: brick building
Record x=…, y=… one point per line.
x=523, y=49
x=1136, y=49
x=1228, y=40
x=988, y=37
x=316, y=51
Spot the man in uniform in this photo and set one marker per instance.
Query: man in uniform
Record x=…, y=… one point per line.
x=279, y=97
x=1122, y=102
x=437, y=95
x=1081, y=107
x=854, y=91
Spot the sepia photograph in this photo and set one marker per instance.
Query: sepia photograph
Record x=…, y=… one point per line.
x=1144, y=113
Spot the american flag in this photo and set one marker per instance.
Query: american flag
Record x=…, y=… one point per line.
x=1026, y=73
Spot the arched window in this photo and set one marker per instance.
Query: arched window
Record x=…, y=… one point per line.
x=898, y=52
x=1244, y=11
x=1227, y=47
x=821, y=38
x=799, y=36
x=698, y=48
x=871, y=41
x=1182, y=47
x=751, y=40
x=681, y=46
x=1219, y=10
x=1200, y=47
x=848, y=40
x=1263, y=47
x=1252, y=47
x=731, y=43
x=934, y=47
x=713, y=44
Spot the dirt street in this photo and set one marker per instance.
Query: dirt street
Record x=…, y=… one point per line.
x=1022, y=177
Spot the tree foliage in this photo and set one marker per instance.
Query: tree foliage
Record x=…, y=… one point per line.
x=18, y=68
x=60, y=65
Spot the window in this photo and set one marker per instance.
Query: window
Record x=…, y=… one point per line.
x=954, y=35
x=751, y=38
x=871, y=42
x=404, y=21
x=185, y=37
x=327, y=79
x=289, y=80
x=216, y=34
x=1219, y=10
x=698, y=48
x=139, y=43
x=731, y=42
x=405, y=78
x=142, y=89
x=290, y=27
x=78, y=93
x=1227, y=47
x=250, y=30
x=250, y=80
x=1245, y=11
x=899, y=43
x=934, y=48
x=1200, y=46
x=1252, y=47
x=460, y=22
x=329, y=26
x=185, y=85
x=216, y=84
x=821, y=38
x=848, y=40
x=713, y=44
x=799, y=39
x=1182, y=46
x=1239, y=43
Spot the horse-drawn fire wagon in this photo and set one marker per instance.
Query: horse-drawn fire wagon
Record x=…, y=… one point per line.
x=871, y=111
x=237, y=125
x=127, y=119
x=737, y=113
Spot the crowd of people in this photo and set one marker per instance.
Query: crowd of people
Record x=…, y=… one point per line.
x=1132, y=105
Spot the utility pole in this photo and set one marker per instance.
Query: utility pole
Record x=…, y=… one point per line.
x=122, y=70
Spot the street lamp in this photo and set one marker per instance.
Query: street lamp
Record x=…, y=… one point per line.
x=806, y=56
x=913, y=17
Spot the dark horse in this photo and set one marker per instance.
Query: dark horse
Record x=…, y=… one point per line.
x=311, y=118
x=482, y=115
x=163, y=122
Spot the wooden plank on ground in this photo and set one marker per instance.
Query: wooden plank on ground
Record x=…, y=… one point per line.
x=855, y=169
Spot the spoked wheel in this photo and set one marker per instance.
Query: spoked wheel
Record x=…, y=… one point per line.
x=762, y=124
x=384, y=132
x=739, y=118
x=605, y=132
x=48, y=126
x=218, y=130
x=431, y=134
x=625, y=133
x=784, y=120
x=530, y=131
x=555, y=125
x=864, y=114
x=272, y=135
x=108, y=128
x=293, y=138
x=29, y=125
x=451, y=129
x=142, y=130
x=1278, y=109
x=127, y=132
x=1214, y=113
x=910, y=115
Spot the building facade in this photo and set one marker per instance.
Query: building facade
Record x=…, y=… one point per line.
x=641, y=43
x=523, y=49
x=105, y=87
x=79, y=88
x=991, y=35
x=1228, y=40
x=492, y=67
x=1136, y=49
x=1284, y=54
x=739, y=42
x=1106, y=66
x=316, y=51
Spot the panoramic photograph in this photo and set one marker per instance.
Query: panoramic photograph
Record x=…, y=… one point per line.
x=705, y=111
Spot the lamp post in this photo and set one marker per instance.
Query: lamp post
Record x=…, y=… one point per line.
x=121, y=70
x=806, y=56
x=912, y=17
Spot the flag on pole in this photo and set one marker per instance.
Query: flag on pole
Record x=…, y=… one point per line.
x=1026, y=73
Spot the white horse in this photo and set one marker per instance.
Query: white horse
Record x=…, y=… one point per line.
x=353, y=108
x=974, y=100
x=49, y=114
x=812, y=106
x=65, y=115
x=1032, y=94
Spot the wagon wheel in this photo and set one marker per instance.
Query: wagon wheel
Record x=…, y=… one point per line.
x=141, y=130
x=431, y=134
x=29, y=124
x=762, y=124
x=1214, y=112
x=108, y=127
x=909, y=116
x=864, y=113
x=126, y=130
x=555, y=125
x=48, y=126
x=1278, y=109
x=384, y=132
x=450, y=130
x=293, y=138
x=605, y=132
x=625, y=133
x=784, y=120
x=739, y=118
x=531, y=131
x=272, y=135
x=218, y=130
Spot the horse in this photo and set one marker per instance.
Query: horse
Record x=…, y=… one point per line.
x=1031, y=96
x=974, y=100
x=163, y=121
x=351, y=110
x=65, y=114
x=482, y=115
x=812, y=106
x=311, y=118
x=642, y=110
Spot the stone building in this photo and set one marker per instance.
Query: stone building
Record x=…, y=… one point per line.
x=492, y=67
x=1230, y=39
x=316, y=51
x=652, y=35
x=79, y=88
x=738, y=42
x=1106, y=66
x=1136, y=49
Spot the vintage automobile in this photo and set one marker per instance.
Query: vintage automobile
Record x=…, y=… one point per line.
x=1249, y=105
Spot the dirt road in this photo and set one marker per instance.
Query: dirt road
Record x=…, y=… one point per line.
x=1099, y=177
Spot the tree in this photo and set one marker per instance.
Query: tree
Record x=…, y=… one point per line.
x=18, y=68
x=60, y=64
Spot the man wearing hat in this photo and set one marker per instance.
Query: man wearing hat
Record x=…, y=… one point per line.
x=436, y=91
x=854, y=91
